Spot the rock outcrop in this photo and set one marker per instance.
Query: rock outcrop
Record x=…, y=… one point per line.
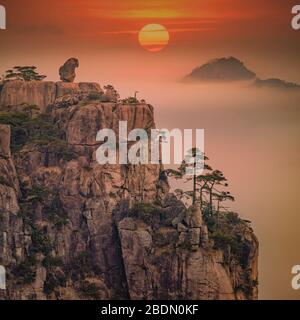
x=42, y=93
x=12, y=238
x=67, y=70
x=74, y=229
x=167, y=261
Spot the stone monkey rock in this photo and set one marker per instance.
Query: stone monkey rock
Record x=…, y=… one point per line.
x=67, y=71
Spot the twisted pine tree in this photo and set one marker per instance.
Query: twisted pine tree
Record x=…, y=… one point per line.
x=24, y=73
x=207, y=184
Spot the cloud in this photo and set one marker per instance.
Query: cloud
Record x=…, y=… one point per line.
x=117, y=32
x=148, y=13
x=171, y=30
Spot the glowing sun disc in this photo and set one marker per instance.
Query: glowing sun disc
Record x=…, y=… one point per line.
x=153, y=37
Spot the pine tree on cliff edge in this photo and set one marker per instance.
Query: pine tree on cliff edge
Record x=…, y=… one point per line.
x=23, y=73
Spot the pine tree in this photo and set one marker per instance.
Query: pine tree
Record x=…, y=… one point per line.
x=206, y=185
x=24, y=73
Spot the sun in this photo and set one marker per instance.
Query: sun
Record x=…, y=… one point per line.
x=154, y=37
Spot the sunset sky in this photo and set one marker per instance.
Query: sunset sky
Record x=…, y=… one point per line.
x=258, y=32
x=252, y=136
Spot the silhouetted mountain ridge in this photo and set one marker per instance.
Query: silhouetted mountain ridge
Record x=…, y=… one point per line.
x=229, y=69
x=222, y=69
x=276, y=83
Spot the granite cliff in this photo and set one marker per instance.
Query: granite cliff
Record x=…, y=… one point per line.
x=73, y=229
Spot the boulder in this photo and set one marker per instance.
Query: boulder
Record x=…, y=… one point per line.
x=194, y=237
x=194, y=217
x=67, y=70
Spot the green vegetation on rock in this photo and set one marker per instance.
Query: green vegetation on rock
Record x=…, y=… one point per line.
x=25, y=272
x=147, y=212
x=226, y=232
x=95, y=96
x=38, y=130
x=89, y=290
x=80, y=266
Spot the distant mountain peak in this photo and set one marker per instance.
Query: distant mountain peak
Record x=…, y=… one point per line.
x=222, y=69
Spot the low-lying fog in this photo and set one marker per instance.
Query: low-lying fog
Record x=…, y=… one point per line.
x=253, y=136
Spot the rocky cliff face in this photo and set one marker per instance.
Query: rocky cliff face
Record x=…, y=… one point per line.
x=73, y=229
x=41, y=93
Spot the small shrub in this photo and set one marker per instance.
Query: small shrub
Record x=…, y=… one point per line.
x=54, y=280
x=233, y=218
x=146, y=212
x=90, y=290
x=239, y=248
x=40, y=131
x=81, y=266
x=221, y=240
x=26, y=214
x=50, y=262
x=186, y=245
x=112, y=195
x=38, y=193
x=245, y=288
x=165, y=236
x=87, y=168
x=25, y=271
x=2, y=180
x=222, y=229
x=41, y=242
x=55, y=212
x=95, y=96
x=19, y=127
x=130, y=100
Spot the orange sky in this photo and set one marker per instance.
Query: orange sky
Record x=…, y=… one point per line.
x=112, y=21
x=46, y=33
x=94, y=19
x=104, y=36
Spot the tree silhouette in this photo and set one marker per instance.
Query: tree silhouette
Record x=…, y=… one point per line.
x=215, y=178
x=191, y=165
x=24, y=73
x=207, y=187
